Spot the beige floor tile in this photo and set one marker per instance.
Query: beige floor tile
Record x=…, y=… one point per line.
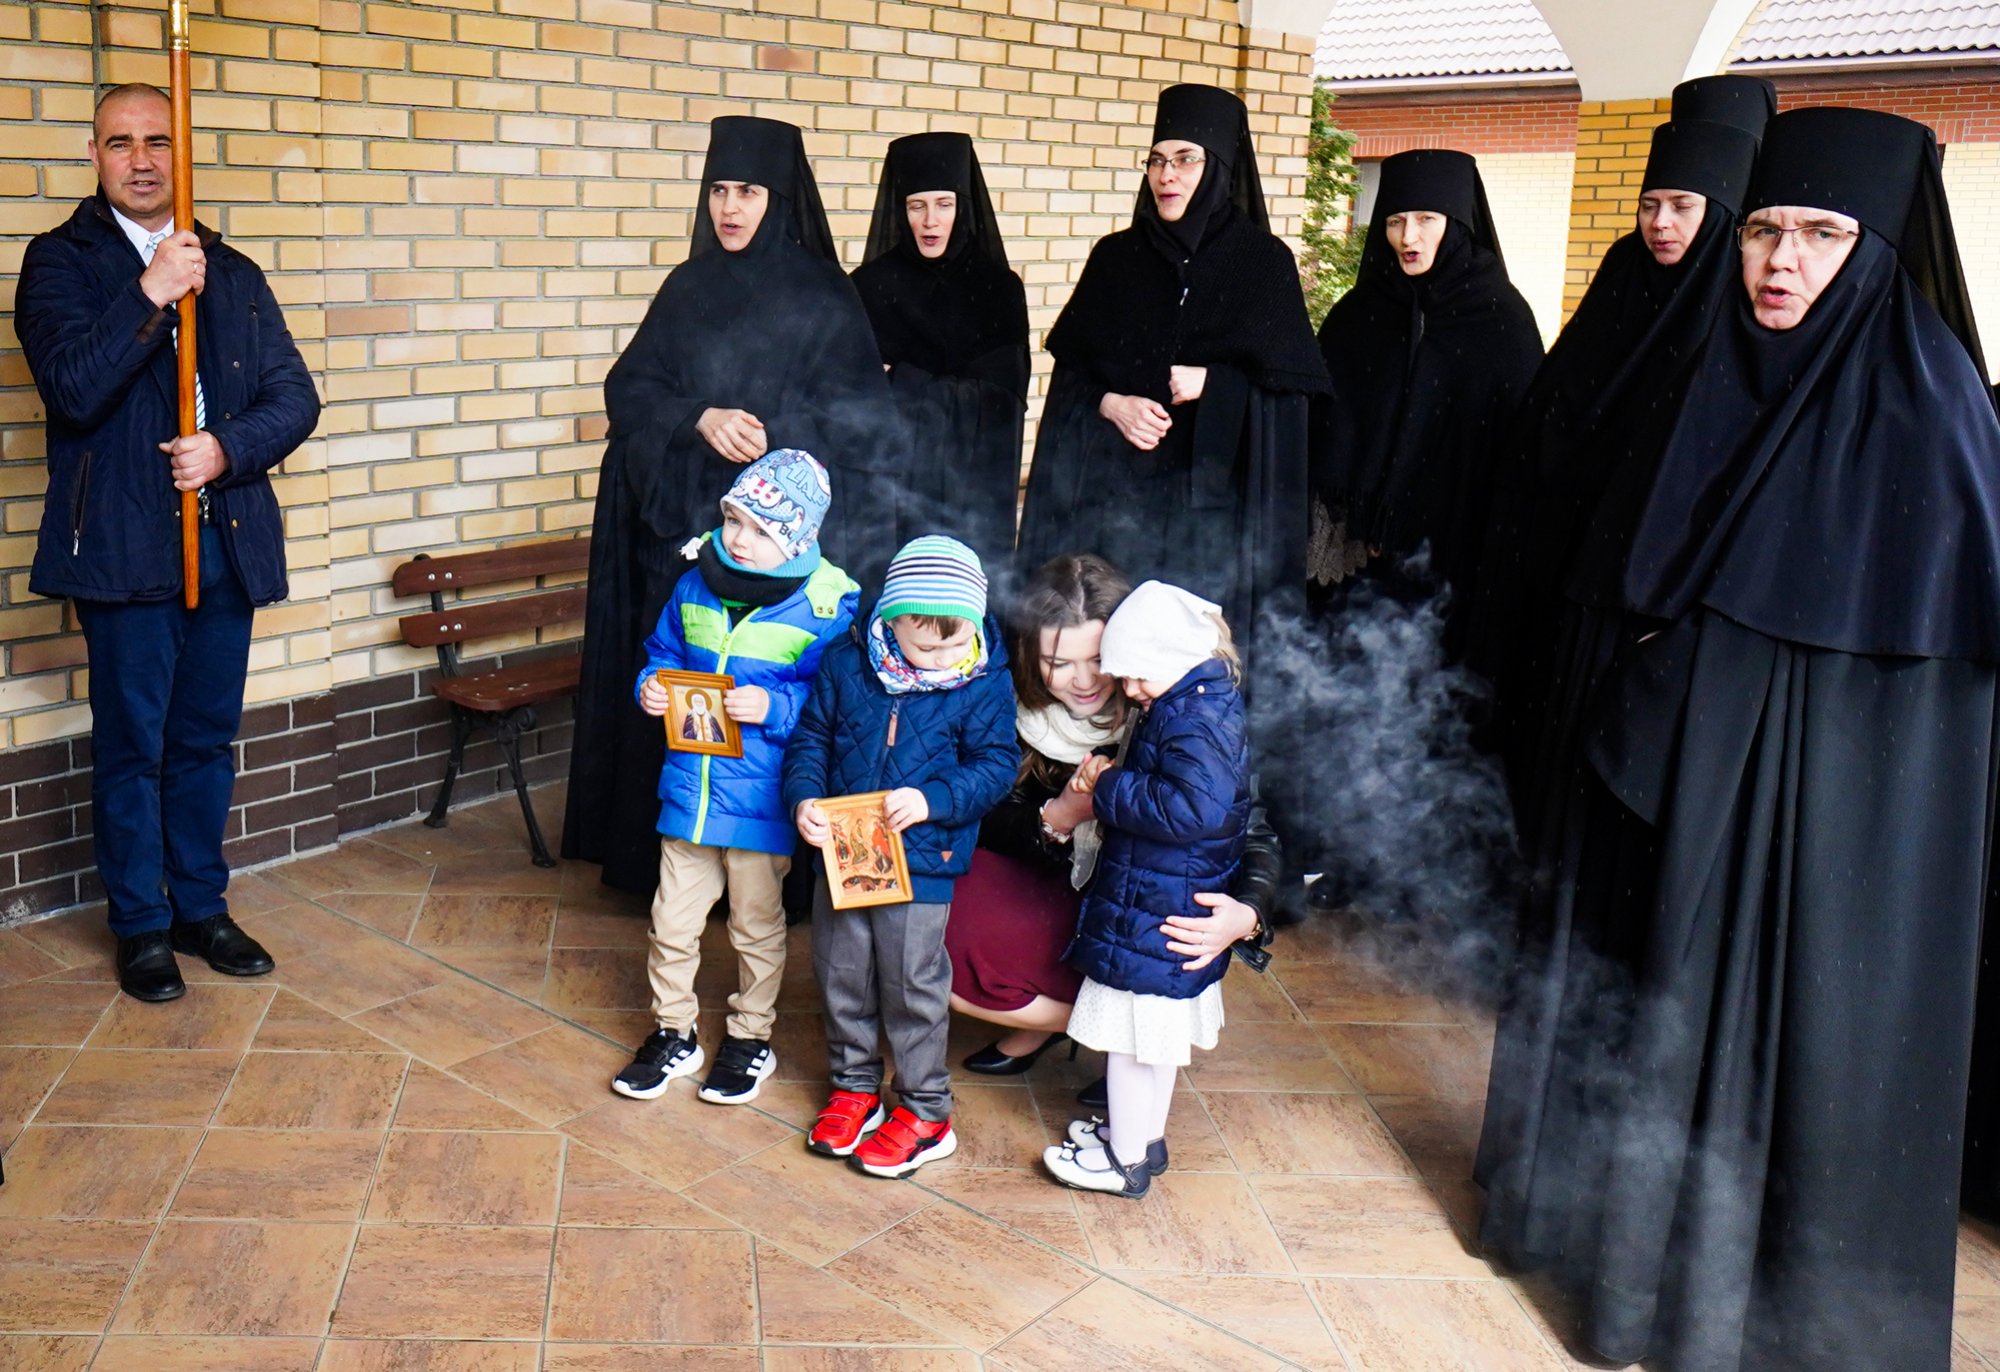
x=1976, y=1306
x=1419, y=1326
x=223, y=1018
x=303, y=930
x=385, y=913
x=599, y=1193
x=607, y=1287
x=799, y=1040
x=46, y=1352
x=551, y=1076
x=1365, y=1227
x=517, y=971
x=676, y=1140
x=961, y=1274
x=647, y=1357
x=629, y=1028
x=22, y=961
x=356, y=865
x=65, y=1276
x=75, y=937
x=814, y=1207
x=82, y=1171
x=1188, y=1222
x=178, y=1086
x=997, y=1126
x=429, y=1355
x=1268, y=1057
x=279, y=1174
x=1108, y=1326
x=1554, y=1318
x=445, y=1282
x=314, y=1091
x=502, y=870
x=451, y=919
x=294, y=1023
x=254, y=893
x=452, y=1022
x=798, y=1303
x=152, y=1353
x=1439, y=1133
x=27, y=1075
x=52, y=1012
x=1963, y=1359
x=1248, y=995
x=1354, y=991
x=215, y=1277
x=1306, y=1132
x=1275, y=1313
x=432, y=1100
x=800, y=1359
x=597, y=979
x=1023, y=1198
x=1410, y=1059
x=468, y=1178
x=362, y=976
x=587, y=927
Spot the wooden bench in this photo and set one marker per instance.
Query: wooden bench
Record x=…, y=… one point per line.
x=502, y=700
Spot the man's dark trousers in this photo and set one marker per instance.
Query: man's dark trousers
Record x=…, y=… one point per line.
x=166, y=687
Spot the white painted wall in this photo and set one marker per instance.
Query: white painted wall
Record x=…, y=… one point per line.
x=1972, y=184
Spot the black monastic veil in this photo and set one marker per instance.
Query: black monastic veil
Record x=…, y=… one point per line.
x=1810, y=738
x=953, y=332
x=777, y=330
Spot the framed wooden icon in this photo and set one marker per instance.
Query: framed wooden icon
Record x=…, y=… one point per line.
x=695, y=719
x=865, y=861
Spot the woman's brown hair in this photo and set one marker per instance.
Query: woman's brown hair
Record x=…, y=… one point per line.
x=1066, y=592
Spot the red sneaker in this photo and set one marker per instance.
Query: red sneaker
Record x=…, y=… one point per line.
x=840, y=1126
x=904, y=1144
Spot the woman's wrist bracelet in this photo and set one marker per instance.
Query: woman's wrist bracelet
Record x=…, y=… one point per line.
x=1049, y=831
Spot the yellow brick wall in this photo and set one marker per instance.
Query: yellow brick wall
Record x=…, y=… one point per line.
x=1972, y=182
x=1612, y=140
x=1529, y=193
x=465, y=213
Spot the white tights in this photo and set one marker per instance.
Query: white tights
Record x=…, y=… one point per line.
x=1139, y=1094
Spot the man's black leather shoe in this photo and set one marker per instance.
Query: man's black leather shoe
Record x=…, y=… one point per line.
x=218, y=942
x=146, y=967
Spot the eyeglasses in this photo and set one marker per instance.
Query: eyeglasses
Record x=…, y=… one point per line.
x=1814, y=240
x=1181, y=162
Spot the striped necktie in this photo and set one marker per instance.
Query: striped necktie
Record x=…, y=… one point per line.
x=200, y=404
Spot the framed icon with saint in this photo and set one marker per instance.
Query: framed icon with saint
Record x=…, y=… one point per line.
x=865, y=861
x=695, y=719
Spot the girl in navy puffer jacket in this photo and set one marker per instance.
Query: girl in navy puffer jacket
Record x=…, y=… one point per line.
x=1175, y=811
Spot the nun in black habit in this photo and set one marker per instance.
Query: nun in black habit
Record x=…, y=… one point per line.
x=1619, y=365
x=951, y=320
x=1174, y=439
x=756, y=342
x=1430, y=354
x=1811, y=733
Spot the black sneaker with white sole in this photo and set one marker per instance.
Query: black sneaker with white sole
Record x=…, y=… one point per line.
x=662, y=1057
x=740, y=1068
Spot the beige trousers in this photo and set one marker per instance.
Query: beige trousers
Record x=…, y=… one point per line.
x=691, y=878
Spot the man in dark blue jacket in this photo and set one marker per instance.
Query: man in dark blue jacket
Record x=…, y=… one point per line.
x=96, y=317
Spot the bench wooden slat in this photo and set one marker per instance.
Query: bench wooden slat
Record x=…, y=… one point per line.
x=514, y=563
x=456, y=623
x=529, y=683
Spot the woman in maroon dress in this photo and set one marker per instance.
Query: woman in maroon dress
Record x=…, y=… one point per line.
x=1013, y=914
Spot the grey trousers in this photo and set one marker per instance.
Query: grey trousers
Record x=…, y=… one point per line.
x=883, y=970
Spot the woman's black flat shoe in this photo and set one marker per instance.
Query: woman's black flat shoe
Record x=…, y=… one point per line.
x=991, y=1062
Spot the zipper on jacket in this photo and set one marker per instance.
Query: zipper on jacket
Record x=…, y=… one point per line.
x=721, y=662
x=888, y=742
x=76, y=512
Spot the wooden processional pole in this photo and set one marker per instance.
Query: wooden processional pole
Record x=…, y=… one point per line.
x=180, y=88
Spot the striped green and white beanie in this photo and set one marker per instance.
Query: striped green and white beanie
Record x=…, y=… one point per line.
x=934, y=575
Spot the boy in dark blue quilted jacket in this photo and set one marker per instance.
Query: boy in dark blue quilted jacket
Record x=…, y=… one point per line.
x=759, y=605
x=1175, y=810
x=921, y=706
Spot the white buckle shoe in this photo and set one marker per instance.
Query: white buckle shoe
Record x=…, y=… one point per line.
x=1095, y=1132
x=1096, y=1168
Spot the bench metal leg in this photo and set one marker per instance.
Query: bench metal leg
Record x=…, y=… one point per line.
x=459, y=731
x=509, y=734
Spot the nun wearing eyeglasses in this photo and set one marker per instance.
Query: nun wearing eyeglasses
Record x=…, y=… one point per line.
x=1810, y=730
x=1173, y=443
x=1430, y=354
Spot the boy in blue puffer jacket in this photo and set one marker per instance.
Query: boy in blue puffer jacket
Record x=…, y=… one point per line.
x=760, y=605
x=920, y=706
x=1175, y=811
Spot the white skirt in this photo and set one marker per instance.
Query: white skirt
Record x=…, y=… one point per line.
x=1157, y=1030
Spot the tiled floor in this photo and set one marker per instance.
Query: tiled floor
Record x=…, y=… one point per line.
x=398, y=1154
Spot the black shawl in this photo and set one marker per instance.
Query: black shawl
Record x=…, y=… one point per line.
x=953, y=332
x=1427, y=373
